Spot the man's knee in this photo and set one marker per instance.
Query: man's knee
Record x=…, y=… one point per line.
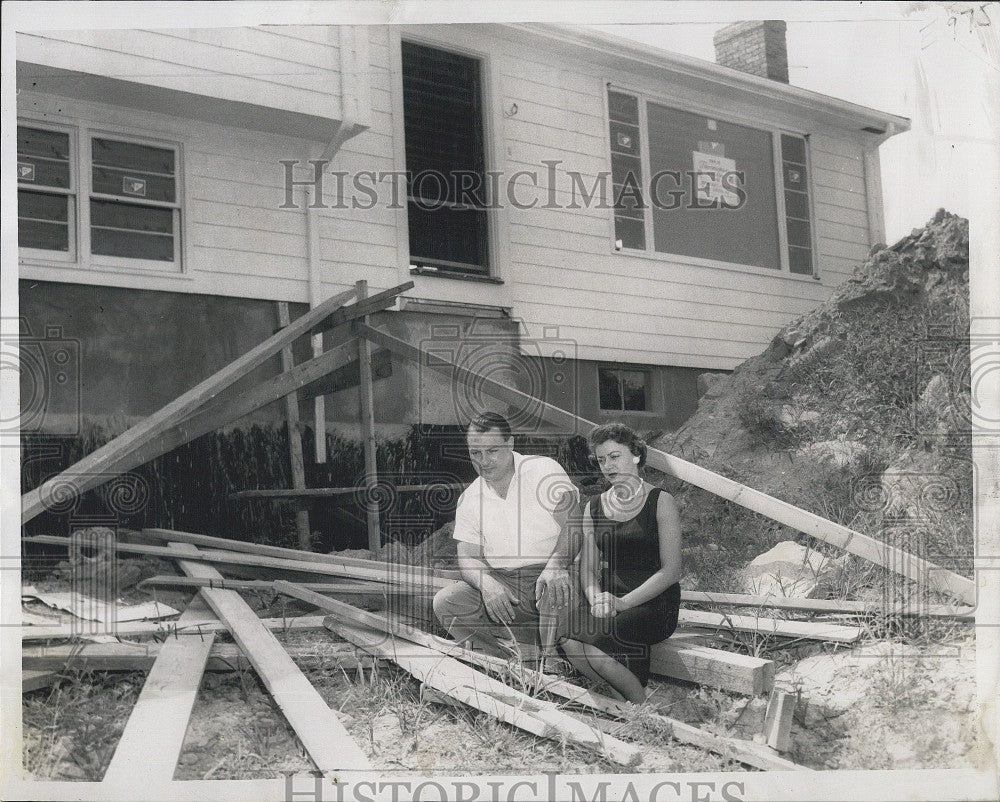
x=457, y=600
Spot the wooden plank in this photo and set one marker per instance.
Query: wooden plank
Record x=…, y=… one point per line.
x=361, y=587
x=331, y=492
x=390, y=573
x=325, y=738
x=778, y=720
x=301, y=623
x=714, y=667
x=367, y=411
x=131, y=656
x=225, y=544
x=472, y=687
x=294, y=438
x=112, y=458
x=923, y=572
x=813, y=630
x=162, y=711
x=33, y=680
x=844, y=606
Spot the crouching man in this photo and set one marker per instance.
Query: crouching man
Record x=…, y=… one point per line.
x=512, y=550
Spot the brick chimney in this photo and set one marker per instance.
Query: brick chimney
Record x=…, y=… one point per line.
x=757, y=47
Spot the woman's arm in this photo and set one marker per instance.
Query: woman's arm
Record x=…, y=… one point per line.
x=588, y=558
x=668, y=524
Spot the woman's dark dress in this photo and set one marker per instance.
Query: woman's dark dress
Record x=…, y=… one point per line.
x=631, y=554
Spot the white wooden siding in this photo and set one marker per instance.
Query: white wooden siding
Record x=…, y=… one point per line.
x=263, y=66
x=558, y=265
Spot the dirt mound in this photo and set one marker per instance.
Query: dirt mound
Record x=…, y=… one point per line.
x=857, y=411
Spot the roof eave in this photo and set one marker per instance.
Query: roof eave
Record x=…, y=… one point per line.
x=878, y=123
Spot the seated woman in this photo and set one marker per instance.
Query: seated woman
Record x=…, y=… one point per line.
x=634, y=597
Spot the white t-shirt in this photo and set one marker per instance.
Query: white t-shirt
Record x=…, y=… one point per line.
x=517, y=530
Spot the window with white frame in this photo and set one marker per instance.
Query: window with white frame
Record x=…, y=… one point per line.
x=131, y=215
x=694, y=185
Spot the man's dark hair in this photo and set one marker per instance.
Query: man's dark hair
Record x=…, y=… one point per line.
x=620, y=433
x=491, y=422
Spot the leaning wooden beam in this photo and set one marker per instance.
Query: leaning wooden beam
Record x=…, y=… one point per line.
x=325, y=738
x=813, y=630
x=366, y=588
x=330, y=492
x=107, y=461
x=229, y=408
x=923, y=572
x=478, y=690
x=132, y=656
x=135, y=629
x=391, y=573
x=716, y=668
x=164, y=706
x=415, y=572
x=848, y=607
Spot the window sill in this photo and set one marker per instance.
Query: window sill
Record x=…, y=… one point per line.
x=101, y=269
x=429, y=271
x=732, y=267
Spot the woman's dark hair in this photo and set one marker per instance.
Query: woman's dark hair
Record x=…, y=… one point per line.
x=620, y=433
x=491, y=422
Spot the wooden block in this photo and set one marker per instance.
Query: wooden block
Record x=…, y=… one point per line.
x=325, y=738
x=163, y=708
x=778, y=721
x=714, y=667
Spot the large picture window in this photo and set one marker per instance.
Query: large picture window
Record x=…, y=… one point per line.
x=132, y=212
x=445, y=158
x=715, y=189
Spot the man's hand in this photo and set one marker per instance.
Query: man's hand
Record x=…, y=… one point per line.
x=498, y=599
x=554, y=586
x=605, y=605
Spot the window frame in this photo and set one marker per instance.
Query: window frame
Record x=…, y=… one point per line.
x=492, y=134
x=72, y=193
x=770, y=127
x=623, y=367
x=81, y=167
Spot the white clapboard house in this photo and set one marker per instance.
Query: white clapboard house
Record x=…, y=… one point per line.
x=601, y=220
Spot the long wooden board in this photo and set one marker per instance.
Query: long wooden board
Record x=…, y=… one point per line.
x=165, y=628
x=333, y=492
x=131, y=656
x=325, y=738
x=361, y=587
x=162, y=711
x=295, y=460
x=843, y=606
x=812, y=630
x=100, y=465
x=923, y=572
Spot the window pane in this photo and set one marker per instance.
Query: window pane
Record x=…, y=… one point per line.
x=797, y=204
x=128, y=244
x=608, y=389
x=631, y=232
x=47, y=236
x=795, y=176
x=132, y=156
x=442, y=110
x=43, y=206
x=133, y=184
x=627, y=200
x=800, y=260
x=623, y=108
x=624, y=138
x=46, y=144
x=448, y=235
x=131, y=216
x=793, y=149
x=798, y=233
x=633, y=389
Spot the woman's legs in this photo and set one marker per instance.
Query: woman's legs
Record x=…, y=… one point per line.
x=596, y=665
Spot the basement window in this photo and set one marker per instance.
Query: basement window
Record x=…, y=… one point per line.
x=714, y=189
x=623, y=389
x=445, y=161
x=108, y=202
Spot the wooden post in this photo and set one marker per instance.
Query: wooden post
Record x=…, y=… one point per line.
x=295, y=440
x=368, y=431
x=778, y=720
